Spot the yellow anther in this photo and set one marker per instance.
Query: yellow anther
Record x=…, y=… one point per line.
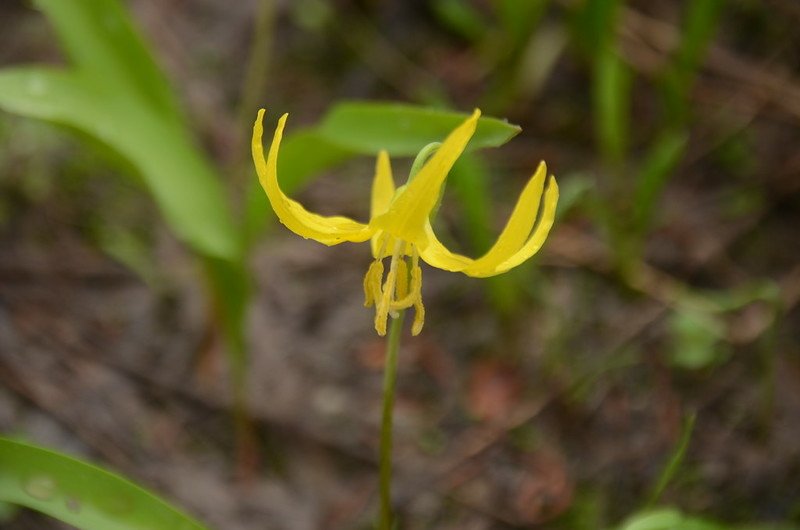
x=416, y=292
x=372, y=283
x=401, y=290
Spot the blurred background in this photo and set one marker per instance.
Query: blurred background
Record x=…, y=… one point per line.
x=155, y=319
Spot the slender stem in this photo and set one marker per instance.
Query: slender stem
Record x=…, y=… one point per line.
x=389, y=380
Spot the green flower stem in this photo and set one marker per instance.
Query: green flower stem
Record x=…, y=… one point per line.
x=389, y=383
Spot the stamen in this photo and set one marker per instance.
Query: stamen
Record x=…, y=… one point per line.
x=382, y=311
x=401, y=290
x=416, y=293
x=372, y=283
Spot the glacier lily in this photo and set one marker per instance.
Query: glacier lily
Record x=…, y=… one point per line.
x=399, y=227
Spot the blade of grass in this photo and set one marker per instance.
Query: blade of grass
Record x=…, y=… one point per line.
x=700, y=24
x=674, y=462
x=660, y=162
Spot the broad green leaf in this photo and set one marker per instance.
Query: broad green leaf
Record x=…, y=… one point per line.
x=188, y=192
x=81, y=494
x=667, y=519
x=368, y=127
x=101, y=41
x=673, y=519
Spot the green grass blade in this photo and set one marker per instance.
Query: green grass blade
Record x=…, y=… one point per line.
x=519, y=19
x=699, y=26
x=81, y=494
x=595, y=23
x=185, y=187
x=101, y=41
x=367, y=127
x=461, y=18
x=675, y=460
x=470, y=183
x=659, y=164
x=611, y=102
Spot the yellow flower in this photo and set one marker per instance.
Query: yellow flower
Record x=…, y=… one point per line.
x=400, y=228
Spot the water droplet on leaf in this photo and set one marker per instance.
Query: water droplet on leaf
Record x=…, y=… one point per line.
x=40, y=487
x=73, y=504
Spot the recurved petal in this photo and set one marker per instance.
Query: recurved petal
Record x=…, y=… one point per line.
x=533, y=243
x=409, y=211
x=519, y=225
x=328, y=230
x=437, y=255
x=502, y=258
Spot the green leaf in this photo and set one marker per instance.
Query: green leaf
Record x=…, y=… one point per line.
x=697, y=338
x=667, y=519
x=185, y=187
x=673, y=519
x=101, y=41
x=367, y=127
x=81, y=494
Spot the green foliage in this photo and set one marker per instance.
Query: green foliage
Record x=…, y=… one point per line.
x=612, y=102
x=699, y=26
x=697, y=338
x=181, y=181
x=402, y=130
x=115, y=93
x=461, y=18
x=628, y=210
x=81, y=494
x=671, y=468
x=673, y=519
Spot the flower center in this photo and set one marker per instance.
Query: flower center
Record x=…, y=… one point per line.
x=401, y=289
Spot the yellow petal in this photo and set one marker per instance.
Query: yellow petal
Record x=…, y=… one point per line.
x=327, y=230
x=437, y=255
x=382, y=185
x=539, y=235
x=382, y=193
x=409, y=211
x=516, y=243
x=519, y=225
